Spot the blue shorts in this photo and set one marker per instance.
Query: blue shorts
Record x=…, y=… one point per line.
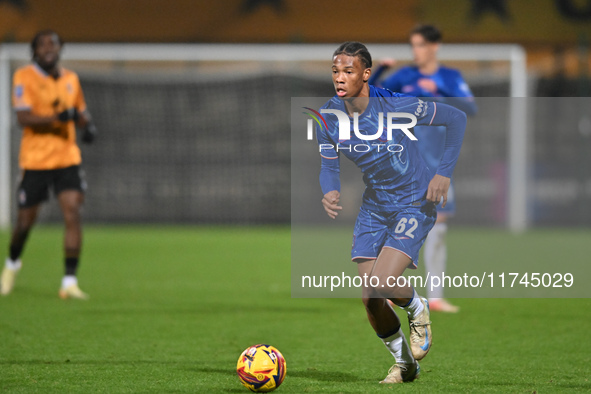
x=403, y=229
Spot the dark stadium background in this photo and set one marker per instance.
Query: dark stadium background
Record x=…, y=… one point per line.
x=196, y=216
x=197, y=151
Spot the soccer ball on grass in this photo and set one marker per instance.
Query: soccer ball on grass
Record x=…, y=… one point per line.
x=261, y=368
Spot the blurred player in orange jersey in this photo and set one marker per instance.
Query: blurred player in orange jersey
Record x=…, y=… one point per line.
x=49, y=103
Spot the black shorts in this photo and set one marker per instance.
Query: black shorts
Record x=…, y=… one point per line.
x=35, y=184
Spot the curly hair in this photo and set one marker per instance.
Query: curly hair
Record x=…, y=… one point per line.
x=355, y=49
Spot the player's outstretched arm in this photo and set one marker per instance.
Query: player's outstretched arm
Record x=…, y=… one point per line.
x=330, y=202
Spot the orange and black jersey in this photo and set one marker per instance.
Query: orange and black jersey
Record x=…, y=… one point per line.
x=51, y=146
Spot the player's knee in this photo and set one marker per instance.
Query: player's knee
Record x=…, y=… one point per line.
x=369, y=293
x=368, y=303
x=71, y=213
x=24, y=223
x=386, y=292
x=20, y=234
x=372, y=303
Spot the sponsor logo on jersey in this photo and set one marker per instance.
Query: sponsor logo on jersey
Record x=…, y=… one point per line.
x=421, y=108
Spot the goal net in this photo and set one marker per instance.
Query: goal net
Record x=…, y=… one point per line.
x=201, y=133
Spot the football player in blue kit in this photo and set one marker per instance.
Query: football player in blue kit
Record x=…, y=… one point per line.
x=428, y=79
x=399, y=201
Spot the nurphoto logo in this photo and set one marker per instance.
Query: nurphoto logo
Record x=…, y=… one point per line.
x=345, y=124
x=345, y=129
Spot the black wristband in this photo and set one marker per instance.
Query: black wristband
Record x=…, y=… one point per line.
x=68, y=114
x=89, y=133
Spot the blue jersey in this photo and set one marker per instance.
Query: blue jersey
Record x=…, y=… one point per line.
x=394, y=171
x=451, y=89
x=449, y=83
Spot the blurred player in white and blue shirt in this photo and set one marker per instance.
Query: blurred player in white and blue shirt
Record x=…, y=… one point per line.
x=427, y=79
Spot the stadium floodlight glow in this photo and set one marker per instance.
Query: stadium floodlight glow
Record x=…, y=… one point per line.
x=517, y=143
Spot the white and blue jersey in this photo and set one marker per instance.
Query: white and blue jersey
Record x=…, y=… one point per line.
x=395, y=174
x=451, y=89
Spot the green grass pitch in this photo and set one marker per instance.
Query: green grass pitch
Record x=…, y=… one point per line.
x=172, y=308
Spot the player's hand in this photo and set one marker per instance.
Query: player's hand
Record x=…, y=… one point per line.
x=428, y=85
x=89, y=133
x=438, y=188
x=387, y=63
x=68, y=114
x=330, y=201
